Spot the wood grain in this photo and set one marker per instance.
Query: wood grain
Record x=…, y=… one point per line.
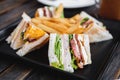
x=5, y=8
x=14, y=14
x=4, y=64
x=117, y=74
x=15, y=72
x=112, y=71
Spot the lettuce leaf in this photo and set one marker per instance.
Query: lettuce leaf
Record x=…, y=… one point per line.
x=70, y=37
x=84, y=20
x=73, y=60
x=57, y=65
x=62, y=15
x=58, y=47
x=22, y=35
x=58, y=53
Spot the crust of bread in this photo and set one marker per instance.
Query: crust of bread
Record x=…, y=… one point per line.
x=15, y=36
x=17, y=42
x=84, y=14
x=52, y=57
x=97, y=34
x=65, y=53
x=87, y=48
x=30, y=46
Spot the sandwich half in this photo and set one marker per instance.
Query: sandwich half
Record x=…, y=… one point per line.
x=14, y=39
x=56, y=12
x=96, y=32
x=27, y=37
x=33, y=38
x=69, y=51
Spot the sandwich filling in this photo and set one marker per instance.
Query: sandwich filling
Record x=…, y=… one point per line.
x=75, y=46
x=32, y=33
x=85, y=22
x=48, y=12
x=68, y=51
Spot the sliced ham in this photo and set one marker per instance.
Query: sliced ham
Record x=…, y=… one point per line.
x=77, y=46
x=87, y=23
x=46, y=12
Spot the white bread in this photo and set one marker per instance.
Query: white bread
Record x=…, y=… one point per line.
x=65, y=53
x=15, y=37
x=14, y=33
x=30, y=46
x=52, y=57
x=48, y=11
x=17, y=42
x=84, y=15
x=97, y=33
x=85, y=48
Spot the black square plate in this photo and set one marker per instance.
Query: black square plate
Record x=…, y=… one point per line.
x=101, y=53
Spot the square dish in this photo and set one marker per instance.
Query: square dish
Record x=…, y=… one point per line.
x=101, y=53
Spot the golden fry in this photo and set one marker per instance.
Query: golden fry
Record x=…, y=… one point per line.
x=79, y=31
x=36, y=14
x=35, y=21
x=42, y=18
x=76, y=17
x=61, y=20
x=72, y=21
x=47, y=29
x=60, y=25
x=73, y=28
x=55, y=26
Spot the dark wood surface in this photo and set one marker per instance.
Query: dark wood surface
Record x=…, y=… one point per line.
x=12, y=69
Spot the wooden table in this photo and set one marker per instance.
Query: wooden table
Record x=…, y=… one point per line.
x=13, y=69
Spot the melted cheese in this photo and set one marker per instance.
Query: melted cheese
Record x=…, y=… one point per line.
x=33, y=32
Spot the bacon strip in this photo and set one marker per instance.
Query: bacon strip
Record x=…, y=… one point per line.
x=47, y=12
x=74, y=49
x=76, y=46
x=87, y=23
x=80, y=48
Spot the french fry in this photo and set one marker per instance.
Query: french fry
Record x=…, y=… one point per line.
x=47, y=29
x=79, y=30
x=60, y=25
x=38, y=20
x=76, y=17
x=36, y=14
x=35, y=21
x=62, y=21
x=73, y=28
x=58, y=11
x=55, y=26
x=72, y=21
x=42, y=18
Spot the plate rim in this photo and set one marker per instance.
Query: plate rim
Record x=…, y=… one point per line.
x=51, y=3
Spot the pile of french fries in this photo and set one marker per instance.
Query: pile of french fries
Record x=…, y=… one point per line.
x=59, y=25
